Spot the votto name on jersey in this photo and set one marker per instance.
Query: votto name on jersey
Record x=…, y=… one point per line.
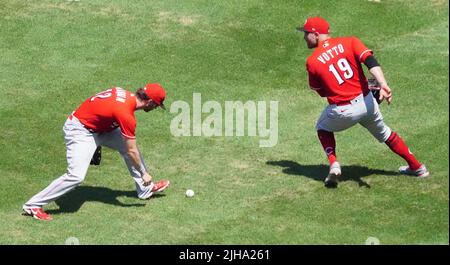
x=330, y=53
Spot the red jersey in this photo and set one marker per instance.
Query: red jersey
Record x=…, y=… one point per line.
x=335, y=67
x=108, y=110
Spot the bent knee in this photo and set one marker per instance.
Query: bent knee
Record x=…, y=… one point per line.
x=382, y=135
x=75, y=178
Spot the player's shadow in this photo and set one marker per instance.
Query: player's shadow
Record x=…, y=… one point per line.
x=72, y=201
x=319, y=172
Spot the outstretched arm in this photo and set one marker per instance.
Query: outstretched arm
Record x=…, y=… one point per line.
x=135, y=157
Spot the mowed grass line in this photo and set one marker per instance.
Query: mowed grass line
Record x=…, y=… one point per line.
x=57, y=53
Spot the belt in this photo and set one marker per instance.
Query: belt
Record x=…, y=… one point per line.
x=348, y=102
x=87, y=128
x=343, y=103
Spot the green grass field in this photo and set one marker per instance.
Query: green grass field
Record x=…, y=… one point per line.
x=55, y=54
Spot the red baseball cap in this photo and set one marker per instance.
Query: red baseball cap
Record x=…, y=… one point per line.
x=315, y=24
x=156, y=93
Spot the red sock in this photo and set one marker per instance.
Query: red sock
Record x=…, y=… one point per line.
x=328, y=144
x=399, y=147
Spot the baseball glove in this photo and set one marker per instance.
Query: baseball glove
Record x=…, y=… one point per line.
x=374, y=87
x=97, y=157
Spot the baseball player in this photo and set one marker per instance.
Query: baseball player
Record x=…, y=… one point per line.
x=105, y=119
x=335, y=72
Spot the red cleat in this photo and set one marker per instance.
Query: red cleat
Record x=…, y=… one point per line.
x=38, y=213
x=160, y=185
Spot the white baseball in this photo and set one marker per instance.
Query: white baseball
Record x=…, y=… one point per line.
x=189, y=193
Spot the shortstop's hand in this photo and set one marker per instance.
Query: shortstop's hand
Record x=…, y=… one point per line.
x=385, y=93
x=147, y=179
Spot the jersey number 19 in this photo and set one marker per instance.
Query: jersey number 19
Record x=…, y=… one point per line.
x=344, y=68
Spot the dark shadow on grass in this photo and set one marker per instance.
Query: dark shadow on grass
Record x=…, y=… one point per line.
x=72, y=201
x=319, y=172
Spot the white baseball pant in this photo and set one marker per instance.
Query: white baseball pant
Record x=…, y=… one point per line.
x=81, y=145
x=362, y=109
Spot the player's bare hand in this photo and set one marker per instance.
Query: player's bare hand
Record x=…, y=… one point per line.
x=385, y=93
x=147, y=179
